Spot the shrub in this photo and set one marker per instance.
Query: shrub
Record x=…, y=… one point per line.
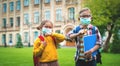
x=19, y=43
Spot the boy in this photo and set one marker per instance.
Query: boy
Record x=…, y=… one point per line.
x=78, y=33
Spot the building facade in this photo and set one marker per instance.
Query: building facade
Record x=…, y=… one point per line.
x=23, y=16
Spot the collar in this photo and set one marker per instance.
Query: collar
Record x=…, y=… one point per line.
x=88, y=27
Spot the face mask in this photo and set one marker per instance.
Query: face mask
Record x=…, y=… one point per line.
x=46, y=30
x=85, y=21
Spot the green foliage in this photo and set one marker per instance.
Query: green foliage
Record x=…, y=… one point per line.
x=115, y=46
x=99, y=12
x=58, y=46
x=104, y=12
x=19, y=42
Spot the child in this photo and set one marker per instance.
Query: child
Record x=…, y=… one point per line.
x=85, y=29
x=45, y=48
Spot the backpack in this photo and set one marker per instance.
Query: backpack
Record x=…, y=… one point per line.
x=35, y=59
x=98, y=55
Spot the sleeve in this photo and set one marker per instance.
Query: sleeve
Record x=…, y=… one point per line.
x=72, y=31
x=38, y=47
x=58, y=37
x=99, y=39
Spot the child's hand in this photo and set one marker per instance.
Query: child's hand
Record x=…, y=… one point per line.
x=88, y=54
x=44, y=43
x=48, y=34
x=81, y=32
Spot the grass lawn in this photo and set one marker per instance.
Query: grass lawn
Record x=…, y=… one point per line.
x=23, y=57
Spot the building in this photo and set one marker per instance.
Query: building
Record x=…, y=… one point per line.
x=23, y=16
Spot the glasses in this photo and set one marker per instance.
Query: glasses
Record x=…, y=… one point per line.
x=47, y=26
x=85, y=16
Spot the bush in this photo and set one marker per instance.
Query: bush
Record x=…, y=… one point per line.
x=19, y=42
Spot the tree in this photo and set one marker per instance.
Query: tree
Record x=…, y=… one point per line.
x=115, y=46
x=19, y=42
x=106, y=14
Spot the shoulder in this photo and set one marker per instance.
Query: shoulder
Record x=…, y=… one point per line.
x=77, y=28
x=37, y=40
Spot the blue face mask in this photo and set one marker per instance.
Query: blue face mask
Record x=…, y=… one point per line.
x=46, y=30
x=85, y=21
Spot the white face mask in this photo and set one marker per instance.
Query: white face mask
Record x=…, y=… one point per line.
x=46, y=30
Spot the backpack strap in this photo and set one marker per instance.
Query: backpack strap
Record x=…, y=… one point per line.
x=35, y=60
x=93, y=30
x=77, y=29
x=41, y=38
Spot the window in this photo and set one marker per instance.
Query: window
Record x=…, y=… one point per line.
x=35, y=35
x=3, y=39
x=36, y=17
x=11, y=6
x=57, y=31
x=71, y=13
x=58, y=0
x=58, y=15
x=11, y=22
x=26, y=2
x=18, y=21
x=47, y=1
x=18, y=5
x=5, y=7
x=36, y=2
x=47, y=15
x=10, y=38
x=4, y=22
x=26, y=18
x=26, y=37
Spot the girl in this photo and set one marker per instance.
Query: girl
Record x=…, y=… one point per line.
x=45, y=48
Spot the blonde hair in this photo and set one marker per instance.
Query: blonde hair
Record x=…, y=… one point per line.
x=43, y=23
x=85, y=9
x=82, y=10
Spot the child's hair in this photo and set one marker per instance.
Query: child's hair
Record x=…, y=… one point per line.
x=43, y=23
x=84, y=9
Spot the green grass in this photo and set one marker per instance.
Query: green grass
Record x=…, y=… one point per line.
x=16, y=57
x=23, y=57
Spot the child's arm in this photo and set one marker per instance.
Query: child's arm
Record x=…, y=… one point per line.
x=58, y=37
x=38, y=47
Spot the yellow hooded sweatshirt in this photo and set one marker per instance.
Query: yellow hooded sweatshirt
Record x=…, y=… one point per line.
x=48, y=53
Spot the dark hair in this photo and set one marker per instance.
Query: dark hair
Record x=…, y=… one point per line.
x=43, y=23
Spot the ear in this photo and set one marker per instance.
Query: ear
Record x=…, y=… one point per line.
x=91, y=17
